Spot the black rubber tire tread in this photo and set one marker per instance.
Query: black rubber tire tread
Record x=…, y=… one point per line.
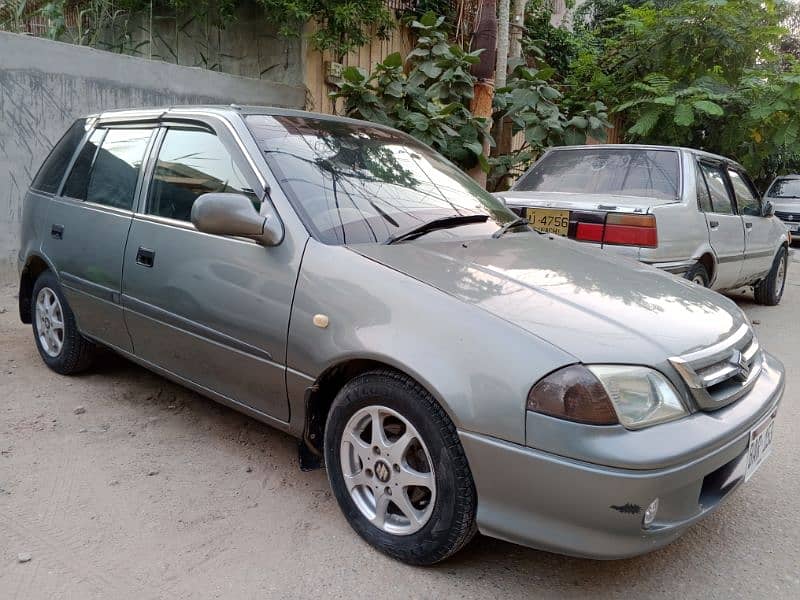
x=764, y=291
x=696, y=269
x=77, y=353
x=437, y=540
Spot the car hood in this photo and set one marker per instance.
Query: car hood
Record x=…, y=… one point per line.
x=785, y=206
x=573, y=201
x=596, y=306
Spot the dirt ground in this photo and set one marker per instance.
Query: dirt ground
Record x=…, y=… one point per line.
x=156, y=492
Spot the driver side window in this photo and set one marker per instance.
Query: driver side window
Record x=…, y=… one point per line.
x=192, y=162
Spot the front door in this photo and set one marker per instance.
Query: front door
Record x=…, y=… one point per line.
x=759, y=235
x=88, y=225
x=211, y=309
x=725, y=229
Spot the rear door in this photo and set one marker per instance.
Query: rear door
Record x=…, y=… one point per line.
x=88, y=225
x=759, y=236
x=725, y=228
x=211, y=309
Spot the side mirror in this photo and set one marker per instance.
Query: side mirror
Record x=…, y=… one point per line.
x=234, y=214
x=767, y=209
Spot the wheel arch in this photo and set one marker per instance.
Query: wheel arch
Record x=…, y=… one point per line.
x=320, y=395
x=709, y=262
x=35, y=265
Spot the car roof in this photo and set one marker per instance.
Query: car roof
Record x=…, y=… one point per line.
x=226, y=111
x=695, y=151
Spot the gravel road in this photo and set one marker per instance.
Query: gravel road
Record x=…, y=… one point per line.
x=155, y=492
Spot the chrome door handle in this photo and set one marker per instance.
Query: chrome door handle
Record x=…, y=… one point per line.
x=748, y=225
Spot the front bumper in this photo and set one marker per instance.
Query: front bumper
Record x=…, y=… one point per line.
x=579, y=508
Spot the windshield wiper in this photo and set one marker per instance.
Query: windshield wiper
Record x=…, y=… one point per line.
x=510, y=225
x=441, y=223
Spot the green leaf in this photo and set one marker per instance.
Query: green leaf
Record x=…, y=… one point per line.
x=429, y=19
x=665, y=100
x=485, y=166
x=645, y=123
x=394, y=89
x=440, y=49
x=708, y=107
x=550, y=93
x=393, y=60
x=475, y=147
x=354, y=75
x=579, y=122
x=684, y=115
x=535, y=135
x=574, y=137
x=430, y=69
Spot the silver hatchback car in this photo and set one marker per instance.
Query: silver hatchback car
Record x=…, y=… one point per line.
x=454, y=370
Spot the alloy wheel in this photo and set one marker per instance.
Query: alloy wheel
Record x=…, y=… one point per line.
x=780, y=276
x=388, y=470
x=49, y=322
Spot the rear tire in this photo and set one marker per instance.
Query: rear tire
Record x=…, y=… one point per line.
x=57, y=338
x=698, y=274
x=408, y=491
x=769, y=290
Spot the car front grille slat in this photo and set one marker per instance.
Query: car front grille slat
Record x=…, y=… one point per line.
x=724, y=372
x=784, y=216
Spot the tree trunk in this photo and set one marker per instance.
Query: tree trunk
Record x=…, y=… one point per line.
x=501, y=130
x=501, y=70
x=485, y=38
x=517, y=24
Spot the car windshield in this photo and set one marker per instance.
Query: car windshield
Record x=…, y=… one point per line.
x=607, y=171
x=785, y=188
x=353, y=183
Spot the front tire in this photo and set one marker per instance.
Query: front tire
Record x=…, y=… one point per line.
x=397, y=469
x=58, y=340
x=769, y=290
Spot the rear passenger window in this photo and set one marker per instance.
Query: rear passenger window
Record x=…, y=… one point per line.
x=52, y=171
x=107, y=168
x=193, y=162
x=715, y=179
x=746, y=200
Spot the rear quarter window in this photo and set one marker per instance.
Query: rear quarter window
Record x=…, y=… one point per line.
x=52, y=170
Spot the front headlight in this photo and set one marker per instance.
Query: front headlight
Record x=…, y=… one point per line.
x=634, y=396
x=641, y=396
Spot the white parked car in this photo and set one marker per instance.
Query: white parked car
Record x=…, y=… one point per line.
x=784, y=194
x=685, y=211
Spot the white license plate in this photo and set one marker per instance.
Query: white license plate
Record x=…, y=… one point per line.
x=760, y=445
x=792, y=227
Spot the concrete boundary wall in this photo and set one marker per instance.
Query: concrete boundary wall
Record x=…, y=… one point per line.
x=45, y=85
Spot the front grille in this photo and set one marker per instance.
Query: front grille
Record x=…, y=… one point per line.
x=787, y=216
x=724, y=372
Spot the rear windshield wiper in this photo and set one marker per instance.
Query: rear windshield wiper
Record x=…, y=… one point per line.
x=441, y=223
x=518, y=222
